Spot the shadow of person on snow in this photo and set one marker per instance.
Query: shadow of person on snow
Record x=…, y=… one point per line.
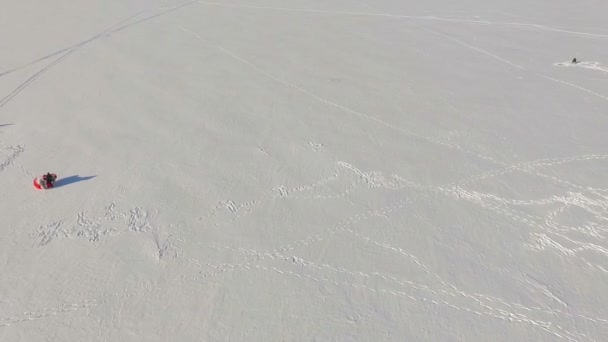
x=71, y=180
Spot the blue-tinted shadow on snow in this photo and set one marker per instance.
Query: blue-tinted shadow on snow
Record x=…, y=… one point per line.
x=71, y=180
x=2, y=125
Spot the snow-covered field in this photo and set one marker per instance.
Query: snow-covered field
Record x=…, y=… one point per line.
x=273, y=170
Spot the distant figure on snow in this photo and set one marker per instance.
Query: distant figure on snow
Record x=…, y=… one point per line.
x=574, y=61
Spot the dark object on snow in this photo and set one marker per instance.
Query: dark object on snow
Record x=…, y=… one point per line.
x=50, y=179
x=45, y=182
x=574, y=61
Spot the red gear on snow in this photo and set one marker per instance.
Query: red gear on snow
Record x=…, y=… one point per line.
x=45, y=182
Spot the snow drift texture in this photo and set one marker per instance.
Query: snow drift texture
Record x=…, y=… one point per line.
x=267, y=170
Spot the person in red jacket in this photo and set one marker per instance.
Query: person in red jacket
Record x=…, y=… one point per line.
x=45, y=182
x=50, y=179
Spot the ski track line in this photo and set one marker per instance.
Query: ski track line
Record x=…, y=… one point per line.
x=544, y=289
x=504, y=315
x=532, y=221
x=373, y=179
x=597, y=207
x=94, y=229
x=579, y=200
x=68, y=51
x=86, y=304
x=544, y=240
x=584, y=65
x=456, y=292
x=89, y=228
x=371, y=118
x=151, y=286
x=243, y=209
x=280, y=192
x=247, y=205
x=217, y=270
x=273, y=254
x=47, y=312
x=531, y=165
x=33, y=78
x=262, y=255
x=318, y=237
x=475, y=48
x=576, y=86
x=232, y=206
x=105, y=33
x=340, y=226
x=476, y=297
x=377, y=180
x=560, y=181
x=339, y=106
x=399, y=16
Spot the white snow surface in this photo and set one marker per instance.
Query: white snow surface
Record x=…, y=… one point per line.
x=273, y=170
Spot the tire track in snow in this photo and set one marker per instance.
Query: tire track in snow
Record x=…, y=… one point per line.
x=63, y=54
x=66, y=52
x=6, y=99
x=67, y=49
x=121, y=25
